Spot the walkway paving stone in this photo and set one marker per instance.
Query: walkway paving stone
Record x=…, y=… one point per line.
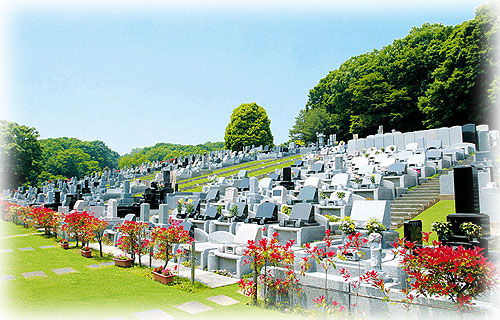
x=107, y=264
x=6, y=250
x=26, y=249
x=223, y=300
x=7, y=277
x=34, y=274
x=154, y=314
x=46, y=247
x=94, y=266
x=194, y=307
x=63, y=270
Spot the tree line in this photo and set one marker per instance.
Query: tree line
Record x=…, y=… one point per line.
x=435, y=76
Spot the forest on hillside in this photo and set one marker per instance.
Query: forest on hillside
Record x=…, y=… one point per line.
x=435, y=76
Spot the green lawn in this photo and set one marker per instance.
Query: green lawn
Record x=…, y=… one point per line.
x=100, y=293
x=437, y=212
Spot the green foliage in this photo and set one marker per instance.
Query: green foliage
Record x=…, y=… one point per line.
x=435, y=76
x=71, y=157
x=373, y=225
x=20, y=155
x=249, y=125
x=164, y=152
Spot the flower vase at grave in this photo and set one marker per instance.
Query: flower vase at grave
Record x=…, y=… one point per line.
x=163, y=278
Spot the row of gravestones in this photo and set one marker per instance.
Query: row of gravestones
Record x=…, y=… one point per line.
x=470, y=133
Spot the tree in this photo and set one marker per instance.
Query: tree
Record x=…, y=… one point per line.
x=20, y=155
x=249, y=125
x=310, y=122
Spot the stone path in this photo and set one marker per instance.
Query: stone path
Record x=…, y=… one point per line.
x=26, y=249
x=223, y=300
x=194, y=307
x=34, y=274
x=154, y=314
x=64, y=270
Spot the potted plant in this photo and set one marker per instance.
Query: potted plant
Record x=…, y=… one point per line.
x=472, y=231
x=341, y=196
x=372, y=180
x=162, y=275
x=180, y=203
x=64, y=244
x=123, y=261
x=373, y=225
x=86, y=252
x=443, y=229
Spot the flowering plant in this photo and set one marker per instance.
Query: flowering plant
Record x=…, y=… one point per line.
x=340, y=195
x=347, y=225
x=164, y=238
x=85, y=248
x=189, y=206
x=322, y=195
x=163, y=271
x=63, y=241
x=286, y=209
x=180, y=202
x=233, y=212
x=372, y=178
x=134, y=240
x=442, y=228
x=121, y=257
x=471, y=230
x=373, y=225
x=332, y=218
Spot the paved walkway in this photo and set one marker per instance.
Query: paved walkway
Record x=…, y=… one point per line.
x=208, y=278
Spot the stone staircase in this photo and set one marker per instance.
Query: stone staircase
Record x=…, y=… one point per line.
x=414, y=202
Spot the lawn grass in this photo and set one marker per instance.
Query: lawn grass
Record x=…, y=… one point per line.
x=437, y=212
x=100, y=293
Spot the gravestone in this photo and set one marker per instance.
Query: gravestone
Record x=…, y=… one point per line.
x=298, y=163
x=318, y=167
x=163, y=214
x=302, y=214
x=455, y=135
x=466, y=188
x=144, y=212
x=242, y=211
x=444, y=136
x=388, y=139
x=369, y=141
x=362, y=211
x=469, y=133
x=483, y=143
x=211, y=213
x=254, y=185
x=413, y=231
x=308, y=194
x=409, y=138
x=430, y=135
x=231, y=195
x=112, y=210
x=340, y=181
x=379, y=141
x=212, y=195
x=396, y=169
x=399, y=140
x=267, y=212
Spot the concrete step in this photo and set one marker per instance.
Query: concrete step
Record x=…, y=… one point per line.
x=426, y=196
x=409, y=201
x=407, y=209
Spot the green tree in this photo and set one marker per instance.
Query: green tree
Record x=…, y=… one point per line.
x=465, y=85
x=309, y=123
x=249, y=125
x=20, y=155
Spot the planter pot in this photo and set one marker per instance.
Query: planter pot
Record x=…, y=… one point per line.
x=65, y=246
x=86, y=254
x=123, y=263
x=162, y=278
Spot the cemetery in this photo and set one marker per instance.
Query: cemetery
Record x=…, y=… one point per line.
x=335, y=226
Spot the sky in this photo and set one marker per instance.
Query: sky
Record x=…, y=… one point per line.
x=135, y=73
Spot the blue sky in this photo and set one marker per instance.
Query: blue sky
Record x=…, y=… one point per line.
x=134, y=76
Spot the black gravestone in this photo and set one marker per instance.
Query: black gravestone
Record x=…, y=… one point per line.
x=466, y=189
x=469, y=133
x=286, y=174
x=242, y=212
x=413, y=231
x=186, y=225
x=302, y=215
